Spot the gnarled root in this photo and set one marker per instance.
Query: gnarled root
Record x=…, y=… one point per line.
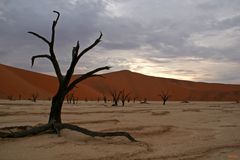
x=56, y=127
x=24, y=133
x=94, y=133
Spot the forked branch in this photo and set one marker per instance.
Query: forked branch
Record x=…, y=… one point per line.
x=39, y=36
x=76, y=56
x=90, y=47
x=53, y=28
x=85, y=76
x=40, y=56
x=52, y=56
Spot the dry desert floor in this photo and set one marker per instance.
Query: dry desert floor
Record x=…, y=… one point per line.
x=176, y=131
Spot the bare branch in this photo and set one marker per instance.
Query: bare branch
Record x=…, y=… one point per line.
x=85, y=76
x=53, y=28
x=76, y=57
x=51, y=49
x=90, y=47
x=98, y=76
x=40, y=56
x=58, y=15
x=75, y=51
x=39, y=36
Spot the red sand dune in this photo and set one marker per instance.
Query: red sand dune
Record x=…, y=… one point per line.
x=17, y=83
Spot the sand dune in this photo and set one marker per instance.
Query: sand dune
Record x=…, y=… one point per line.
x=16, y=82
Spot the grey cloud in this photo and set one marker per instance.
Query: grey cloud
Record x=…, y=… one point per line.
x=157, y=31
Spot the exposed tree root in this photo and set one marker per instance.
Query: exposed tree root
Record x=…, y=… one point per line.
x=56, y=127
x=24, y=133
x=94, y=133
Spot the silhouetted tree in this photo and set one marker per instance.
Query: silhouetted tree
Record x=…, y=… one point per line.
x=65, y=86
x=144, y=101
x=70, y=98
x=105, y=99
x=115, y=96
x=129, y=99
x=185, y=101
x=98, y=99
x=34, y=97
x=165, y=96
x=124, y=96
x=10, y=97
x=134, y=99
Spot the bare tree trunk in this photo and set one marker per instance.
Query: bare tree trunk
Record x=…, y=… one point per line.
x=57, y=103
x=56, y=108
x=164, y=102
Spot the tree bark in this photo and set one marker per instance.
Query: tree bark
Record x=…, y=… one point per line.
x=56, y=108
x=164, y=102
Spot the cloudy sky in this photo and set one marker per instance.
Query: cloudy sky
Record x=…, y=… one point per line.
x=196, y=40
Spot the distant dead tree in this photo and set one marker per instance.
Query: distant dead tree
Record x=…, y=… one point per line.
x=71, y=99
x=98, y=99
x=10, y=98
x=128, y=99
x=65, y=86
x=34, y=97
x=105, y=99
x=185, y=101
x=124, y=96
x=115, y=96
x=165, y=95
x=144, y=101
x=134, y=99
x=236, y=95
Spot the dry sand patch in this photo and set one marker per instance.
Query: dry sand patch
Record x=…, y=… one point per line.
x=176, y=131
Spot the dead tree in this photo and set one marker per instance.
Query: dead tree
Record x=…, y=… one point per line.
x=65, y=86
x=115, y=96
x=10, y=98
x=34, y=97
x=105, y=99
x=144, y=101
x=129, y=99
x=98, y=99
x=71, y=99
x=134, y=99
x=165, y=95
x=124, y=96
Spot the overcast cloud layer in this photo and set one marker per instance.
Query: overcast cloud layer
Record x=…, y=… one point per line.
x=195, y=40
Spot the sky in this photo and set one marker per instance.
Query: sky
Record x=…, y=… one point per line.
x=196, y=40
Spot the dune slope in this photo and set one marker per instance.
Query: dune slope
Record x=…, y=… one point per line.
x=19, y=83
